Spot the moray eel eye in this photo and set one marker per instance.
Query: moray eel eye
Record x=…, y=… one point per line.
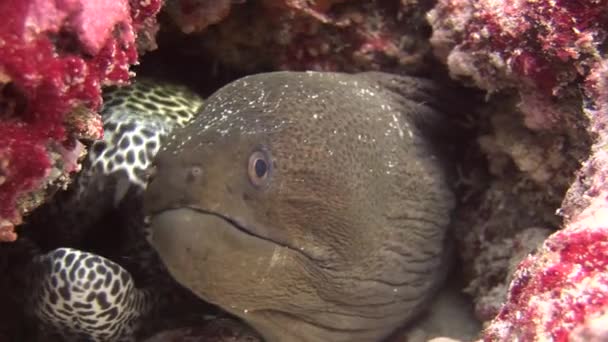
x=259, y=168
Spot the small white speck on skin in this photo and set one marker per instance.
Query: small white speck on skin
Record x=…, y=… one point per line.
x=395, y=290
x=315, y=116
x=365, y=91
x=396, y=121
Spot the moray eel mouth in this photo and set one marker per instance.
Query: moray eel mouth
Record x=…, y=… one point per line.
x=200, y=229
x=214, y=255
x=186, y=217
x=193, y=241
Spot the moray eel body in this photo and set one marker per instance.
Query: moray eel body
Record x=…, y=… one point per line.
x=136, y=118
x=312, y=205
x=82, y=296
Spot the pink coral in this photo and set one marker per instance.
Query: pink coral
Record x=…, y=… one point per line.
x=540, y=55
x=352, y=36
x=561, y=293
x=336, y=35
x=55, y=57
x=197, y=15
x=565, y=284
x=537, y=47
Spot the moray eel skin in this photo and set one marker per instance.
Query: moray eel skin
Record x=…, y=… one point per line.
x=81, y=296
x=312, y=205
x=136, y=118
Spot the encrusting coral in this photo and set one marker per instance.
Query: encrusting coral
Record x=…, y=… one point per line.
x=329, y=35
x=546, y=58
x=54, y=59
x=561, y=292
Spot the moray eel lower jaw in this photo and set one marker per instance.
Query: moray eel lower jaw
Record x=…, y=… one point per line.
x=194, y=243
x=179, y=215
x=227, y=265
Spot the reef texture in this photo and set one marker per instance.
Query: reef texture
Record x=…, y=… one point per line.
x=544, y=136
x=331, y=35
x=561, y=292
x=54, y=58
x=540, y=48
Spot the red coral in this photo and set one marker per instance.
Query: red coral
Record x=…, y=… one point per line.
x=197, y=15
x=56, y=55
x=354, y=36
x=336, y=35
x=560, y=288
x=538, y=47
x=561, y=293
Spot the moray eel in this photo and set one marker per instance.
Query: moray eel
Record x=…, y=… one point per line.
x=78, y=294
x=312, y=205
x=136, y=118
x=81, y=296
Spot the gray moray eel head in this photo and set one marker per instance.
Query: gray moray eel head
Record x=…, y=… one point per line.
x=312, y=205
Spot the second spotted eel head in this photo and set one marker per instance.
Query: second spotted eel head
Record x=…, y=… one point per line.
x=136, y=120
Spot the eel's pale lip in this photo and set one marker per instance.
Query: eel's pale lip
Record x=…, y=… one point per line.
x=237, y=224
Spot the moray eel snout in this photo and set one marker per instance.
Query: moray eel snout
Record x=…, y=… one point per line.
x=184, y=235
x=311, y=205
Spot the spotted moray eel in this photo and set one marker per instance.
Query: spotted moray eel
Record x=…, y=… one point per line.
x=79, y=295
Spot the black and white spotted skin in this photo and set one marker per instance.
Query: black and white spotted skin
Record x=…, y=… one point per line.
x=136, y=119
x=83, y=296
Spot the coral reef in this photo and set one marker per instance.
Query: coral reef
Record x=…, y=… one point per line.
x=342, y=35
x=560, y=293
x=541, y=48
x=216, y=330
x=539, y=160
x=55, y=57
x=532, y=57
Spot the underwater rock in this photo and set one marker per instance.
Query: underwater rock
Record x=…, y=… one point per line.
x=196, y=15
x=308, y=35
x=564, y=285
x=560, y=293
x=55, y=57
x=533, y=58
x=540, y=48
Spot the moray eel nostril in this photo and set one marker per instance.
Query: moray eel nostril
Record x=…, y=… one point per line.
x=319, y=207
